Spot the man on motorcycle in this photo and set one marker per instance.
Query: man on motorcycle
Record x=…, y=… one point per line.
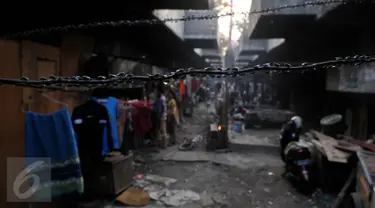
x=290, y=132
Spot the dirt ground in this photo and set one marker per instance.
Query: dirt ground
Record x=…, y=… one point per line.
x=229, y=186
x=233, y=179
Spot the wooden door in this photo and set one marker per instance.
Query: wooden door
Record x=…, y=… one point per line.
x=39, y=60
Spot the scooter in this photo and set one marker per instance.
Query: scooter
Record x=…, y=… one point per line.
x=286, y=136
x=299, y=165
x=240, y=109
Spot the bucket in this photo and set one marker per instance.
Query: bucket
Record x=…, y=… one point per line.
x=238, y=127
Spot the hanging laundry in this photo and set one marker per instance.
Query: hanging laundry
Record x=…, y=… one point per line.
x=124, y=121
x=91, y=124
x=141, y=115
x=51, y=136
x=127, y=128
x=182, y=90
x=194, y=85
x=112, y=107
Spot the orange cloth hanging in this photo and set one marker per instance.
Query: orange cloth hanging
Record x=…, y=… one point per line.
x=182, y=90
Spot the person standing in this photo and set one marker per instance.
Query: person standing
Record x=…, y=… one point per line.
x=153, y=98
x=171, y=119
x=162, y=103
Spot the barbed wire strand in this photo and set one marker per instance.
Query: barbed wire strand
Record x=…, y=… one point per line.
x=175, y=20
x=86, y=83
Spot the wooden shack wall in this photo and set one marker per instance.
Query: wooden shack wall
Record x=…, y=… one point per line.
x=25, y=58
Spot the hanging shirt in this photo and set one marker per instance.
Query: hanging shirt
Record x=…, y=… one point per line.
x=91, y=124
x=112, y=107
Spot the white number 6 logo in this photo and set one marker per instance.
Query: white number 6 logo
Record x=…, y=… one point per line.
x=23, y=177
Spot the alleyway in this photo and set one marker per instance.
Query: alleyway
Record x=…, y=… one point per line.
x=234, y=179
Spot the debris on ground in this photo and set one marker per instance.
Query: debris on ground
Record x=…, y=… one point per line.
x=160, y=180
x=139, y=176
x=212, y=199
x=156, y=187
x=134, y=197
x=138, y=159
x=174, y=198
x=273, y=115
x=241, y=180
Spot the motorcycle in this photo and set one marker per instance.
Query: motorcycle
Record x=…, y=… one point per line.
x=240, y=110
x=299, y=165
x=287, y=135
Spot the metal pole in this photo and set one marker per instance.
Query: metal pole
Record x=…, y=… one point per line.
x=231, y=22
x=225, y=104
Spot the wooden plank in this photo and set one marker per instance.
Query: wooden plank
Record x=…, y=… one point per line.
x=333, y=154
x=316, y=143
x=319, y=147
x=362, y=144
x=346, y=146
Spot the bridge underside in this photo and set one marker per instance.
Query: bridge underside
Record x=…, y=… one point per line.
x=281, y=26
x=204, y=43
x=252, y=52
x=337, y=33
x=161, y=47
x=344, y=31
x=180, y=4
x=41, y=15
x=344, y=17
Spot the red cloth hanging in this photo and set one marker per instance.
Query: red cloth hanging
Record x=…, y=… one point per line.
x=141, y=115
x=194, y=85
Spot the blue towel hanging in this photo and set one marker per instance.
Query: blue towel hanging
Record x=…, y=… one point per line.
x=112, y=107
x=51, y=136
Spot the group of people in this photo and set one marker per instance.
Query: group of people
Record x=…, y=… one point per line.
x=166, y=114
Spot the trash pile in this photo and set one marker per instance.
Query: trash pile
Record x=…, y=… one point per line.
x=273, y=115
x=262, y=117
x=158, y=191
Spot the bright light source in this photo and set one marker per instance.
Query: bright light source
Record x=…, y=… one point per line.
x=219, y=128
